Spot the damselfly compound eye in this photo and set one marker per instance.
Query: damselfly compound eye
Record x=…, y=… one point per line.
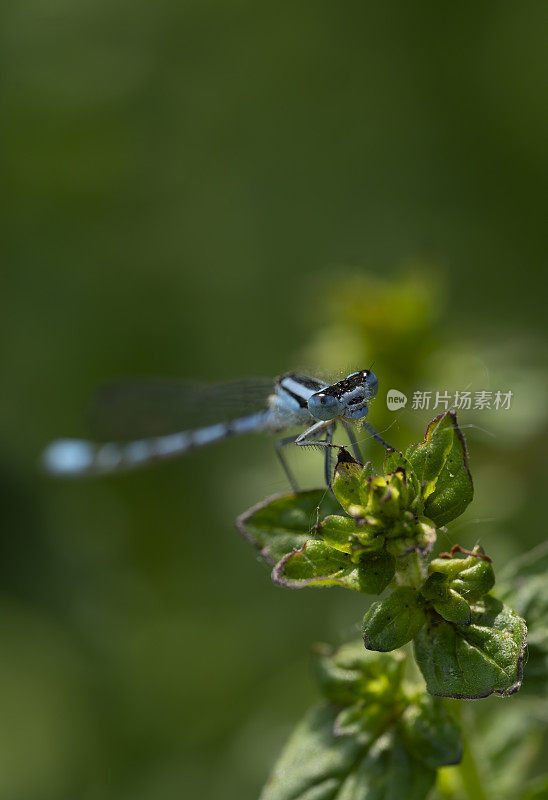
x=372, y=384
x=323, y=406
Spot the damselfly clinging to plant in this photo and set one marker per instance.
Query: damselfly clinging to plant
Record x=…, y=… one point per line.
x=146, y=414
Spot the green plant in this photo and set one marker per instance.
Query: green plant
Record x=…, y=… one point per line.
x=382, y=731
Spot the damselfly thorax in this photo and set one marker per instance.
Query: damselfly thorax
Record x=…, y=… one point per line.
x=154, y=421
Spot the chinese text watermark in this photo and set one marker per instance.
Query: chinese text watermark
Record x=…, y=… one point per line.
x=444, y=400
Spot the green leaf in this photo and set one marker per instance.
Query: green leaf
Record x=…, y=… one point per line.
x=317, y=765
x=353, y=720
x=340, y=672
x=388, y=772
x=376, y=570
x=347, y=484
x=314, y=764
x=318, y=564
x=454, y=608
x=392, y=622
x=283, y=523
x=524, y=586
x=427, y=459
x=431, y=733
x=474, y=661
x=384, y=744
x=366, y=720
x=440, y=465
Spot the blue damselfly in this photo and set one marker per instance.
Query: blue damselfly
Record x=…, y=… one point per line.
x=142, y=418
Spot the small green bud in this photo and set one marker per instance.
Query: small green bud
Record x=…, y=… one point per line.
x=472, y=577
x=383, y=498
x=343, y=534
x=347, y=484
x=450, y=593
x=398, y=482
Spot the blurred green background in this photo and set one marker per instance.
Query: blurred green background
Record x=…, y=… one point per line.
x=215, y=190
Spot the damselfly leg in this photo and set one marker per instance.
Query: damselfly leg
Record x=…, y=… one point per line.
x=303, y=440
x=378, y=438
x=327, y=443
x=353, y=441
x=327, y=462
x=285, y=466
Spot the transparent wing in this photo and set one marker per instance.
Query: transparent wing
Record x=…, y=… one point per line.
x=138, y=409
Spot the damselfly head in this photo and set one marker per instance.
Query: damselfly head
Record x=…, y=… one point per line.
x=347, y=398
x=358, y=389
